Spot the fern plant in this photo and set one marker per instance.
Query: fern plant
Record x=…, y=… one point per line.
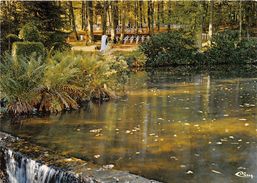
x=20, y=82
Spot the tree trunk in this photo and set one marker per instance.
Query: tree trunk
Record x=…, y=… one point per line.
x=83, y=15
x=150, y=17
x=114, y=15
x=90, y=20
x=210, y=33
x=73, y=20
x=162, y=12
x=123, y=19
x=158, y=15
x=141, y=13
x=240, y=20
x=104, y=17
x=169, y=15
x=135, y=14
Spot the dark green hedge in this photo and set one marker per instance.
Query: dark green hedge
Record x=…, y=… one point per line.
x=26, y=49
x=227, y=49
x=172, y=48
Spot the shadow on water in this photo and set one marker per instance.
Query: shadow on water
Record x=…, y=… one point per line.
x=174, y=125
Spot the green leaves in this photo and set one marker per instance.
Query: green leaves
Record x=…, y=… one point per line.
x=165, y=49
x=59, y=83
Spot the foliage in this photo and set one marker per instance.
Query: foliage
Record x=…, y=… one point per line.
x=29, y=32
x=19, y=81
x=55, y=40
x=61, y=82
x=248, y=50
x=172, y=48
x=61, y=87
x=12, y=38
x=25, y=49
x=134, y=59
x=227, y=49
x=105, y=76
x=47, y=16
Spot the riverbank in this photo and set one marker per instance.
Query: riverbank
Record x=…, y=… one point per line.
x=34, y=160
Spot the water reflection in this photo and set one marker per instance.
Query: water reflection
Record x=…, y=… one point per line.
x=173, y=126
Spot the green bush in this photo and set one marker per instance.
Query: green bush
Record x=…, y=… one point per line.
x=29, y=32
x=134, y=59
x=172, y=48
x=247, y=51
x=55, y=40
x=227, y=49
x=26, y=49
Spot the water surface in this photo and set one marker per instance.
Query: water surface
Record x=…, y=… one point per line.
x=174, y=125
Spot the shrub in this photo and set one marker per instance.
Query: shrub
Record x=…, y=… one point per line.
x=55, y=40
x=227, y=49
x=247, y=51
x=134, y=59
x=104, y=76
x=172, y=48
x=29, y=32
x=223, y=48
x=26, y=49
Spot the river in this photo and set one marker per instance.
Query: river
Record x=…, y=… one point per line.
x=174, y=125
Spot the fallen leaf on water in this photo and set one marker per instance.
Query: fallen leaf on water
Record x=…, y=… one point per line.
x=127, y=131
x=215, y=171
x=242, y=119
x=173, y=157
x=108, y=166
x=96, y=130
x=189, y=172
x=97, y=156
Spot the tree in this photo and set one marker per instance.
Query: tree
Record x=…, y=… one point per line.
x=123, y=19
x=83, y=16
x=90, y=20
x=150, y=16
x=169, y=15
x=114, y=15
x=73, y=20
x=104, y=17
x=211, y=20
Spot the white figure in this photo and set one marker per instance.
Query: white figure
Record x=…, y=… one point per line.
x=117, y=39
x=81, y=37
x=126, y=39
x=104, y=43
x=137, y=39
x=131, y=39
x=143, y=38
x=148, y=38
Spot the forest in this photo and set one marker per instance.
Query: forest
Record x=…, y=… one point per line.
x=41, y=35
x=128, y=91
x=123, y=17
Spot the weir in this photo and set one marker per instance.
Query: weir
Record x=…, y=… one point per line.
x=20, y=169
x=17, y=167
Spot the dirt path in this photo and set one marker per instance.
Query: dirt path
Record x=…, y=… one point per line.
x=92, y=48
